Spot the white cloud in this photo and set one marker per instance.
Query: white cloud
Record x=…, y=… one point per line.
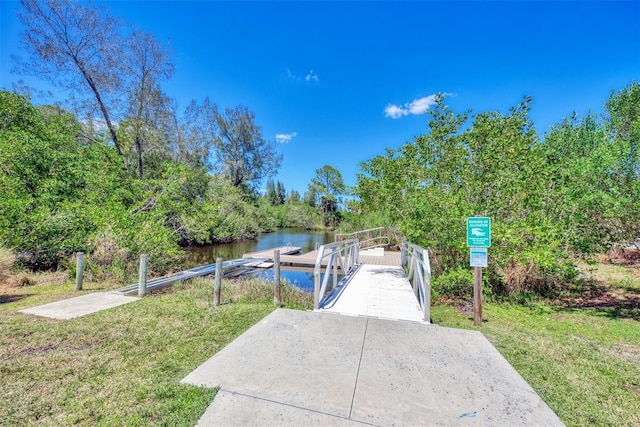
x=394, y=111
x=311, y=76
x=417, y=106
x=283, y=138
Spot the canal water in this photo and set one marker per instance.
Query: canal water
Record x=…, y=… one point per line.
x=307, y=240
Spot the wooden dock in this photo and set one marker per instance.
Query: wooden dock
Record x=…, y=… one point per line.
x=288, y=257
x=268, y=253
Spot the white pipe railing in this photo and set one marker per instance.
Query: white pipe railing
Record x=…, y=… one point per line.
x=343, y=255
x=417, y=260
x=377, y=236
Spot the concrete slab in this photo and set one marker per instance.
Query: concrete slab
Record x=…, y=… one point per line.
x=378, y=291
x=415, y=375
x=292, y=357
x=232, y=409
x=79, y=306
x=306, y=368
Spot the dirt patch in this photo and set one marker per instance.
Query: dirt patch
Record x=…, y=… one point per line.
x=18, y=280
x=620, y=256
x=603, y=297
x=38, y=350
x=628, y=351
x=7, y=298
x=464, y=305
x=632, y=388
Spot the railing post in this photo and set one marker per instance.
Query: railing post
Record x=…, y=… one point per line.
x=316, y=290
x=218, y=282
x=142, y=275
x=335, y=270
x=403, y=255
x=427, y=285
x=276, y=278
x=316, y=278
x=79, y=270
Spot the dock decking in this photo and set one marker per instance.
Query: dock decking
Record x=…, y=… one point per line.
x=309, y=259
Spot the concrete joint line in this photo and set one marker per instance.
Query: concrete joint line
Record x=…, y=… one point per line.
x=355, y=386
x=283, y=404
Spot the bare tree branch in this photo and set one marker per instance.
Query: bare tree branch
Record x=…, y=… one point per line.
x=74, y=47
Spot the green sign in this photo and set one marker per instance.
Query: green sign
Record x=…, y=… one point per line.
x=479, y=232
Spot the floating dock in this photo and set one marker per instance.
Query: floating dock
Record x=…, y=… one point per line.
x=293, y=256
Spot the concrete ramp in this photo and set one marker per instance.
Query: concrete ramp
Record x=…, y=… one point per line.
x=312, y=368
x=79, y=306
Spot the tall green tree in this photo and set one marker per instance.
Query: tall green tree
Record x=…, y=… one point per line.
x=54, y=191
x=244, y=156
x=493, y=167
x=328, y=187
x=623, y=120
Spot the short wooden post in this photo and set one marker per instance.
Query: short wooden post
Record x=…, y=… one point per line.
x=218, y=282
x=477, y=296
x=276, y=278
x=142, y=275
x=79, y=270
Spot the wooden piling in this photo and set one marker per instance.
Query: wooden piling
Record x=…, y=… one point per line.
x=79, y=270
x=276, y=278
x=142, y=275
x=477, y=296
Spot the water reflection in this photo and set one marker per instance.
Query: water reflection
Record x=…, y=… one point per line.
x=305, y=239
x=300, y=279
x=287, y=236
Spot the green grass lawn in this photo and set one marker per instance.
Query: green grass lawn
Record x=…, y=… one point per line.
x=120, y=366
x=123, y=366
x=580, y=353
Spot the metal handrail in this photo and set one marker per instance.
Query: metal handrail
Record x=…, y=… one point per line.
x=383, y=241
x=343, y=255
x=365, y=236
x=419, y=275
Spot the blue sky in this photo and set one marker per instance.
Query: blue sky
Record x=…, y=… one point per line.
x=337, y=82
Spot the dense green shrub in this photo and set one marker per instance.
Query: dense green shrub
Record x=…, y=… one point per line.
x=453, y=283
x=574, y=191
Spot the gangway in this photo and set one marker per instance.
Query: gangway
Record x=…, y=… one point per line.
x=352, y=287
x=228, y=267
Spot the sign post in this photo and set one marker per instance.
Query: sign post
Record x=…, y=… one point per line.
x=478, y=239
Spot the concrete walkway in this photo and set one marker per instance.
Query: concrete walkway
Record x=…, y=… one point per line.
x=80, y=306
x=312, y=368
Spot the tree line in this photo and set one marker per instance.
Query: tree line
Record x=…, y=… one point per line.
x=115, y=170
x=573, y=192
x=62, y=192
